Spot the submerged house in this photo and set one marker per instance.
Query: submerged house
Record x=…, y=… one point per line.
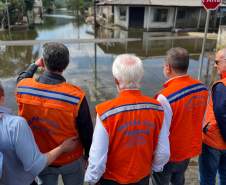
x=158, y=14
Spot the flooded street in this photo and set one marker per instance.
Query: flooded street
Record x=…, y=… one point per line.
x=90, y=65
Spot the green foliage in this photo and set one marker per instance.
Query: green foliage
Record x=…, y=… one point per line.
x=2, y=6
x=29, y=4
x=17, y=8
x=48, y=5
x=60, y=4
x=75, y=4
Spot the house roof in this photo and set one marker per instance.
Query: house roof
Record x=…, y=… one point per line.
x=174, y=3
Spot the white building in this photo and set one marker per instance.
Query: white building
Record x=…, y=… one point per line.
x=157, y=14
x=38, y=11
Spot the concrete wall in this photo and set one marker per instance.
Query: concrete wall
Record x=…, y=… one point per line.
x=117, y=20
x=221, y=40
x=191, y=18
x=149, y=20
x=105, y=12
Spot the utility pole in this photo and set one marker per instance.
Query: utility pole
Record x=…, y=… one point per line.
x=204, y=44
x=8, y=18
x=95, y=17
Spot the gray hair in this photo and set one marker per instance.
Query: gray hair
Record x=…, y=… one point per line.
x=223, y=52
x=178, y=58
x=56, y=56
x=128, y=70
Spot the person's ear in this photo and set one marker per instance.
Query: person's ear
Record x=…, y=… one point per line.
x=168, y=69
x=116, y=82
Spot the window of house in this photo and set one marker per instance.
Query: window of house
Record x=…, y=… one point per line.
x=181, y=14
x=160, y=15
x=122, y=13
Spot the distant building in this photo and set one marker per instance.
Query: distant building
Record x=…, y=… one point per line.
x=158, y=14
x=38, y=12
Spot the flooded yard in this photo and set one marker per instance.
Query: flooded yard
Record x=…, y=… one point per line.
x=90, y=63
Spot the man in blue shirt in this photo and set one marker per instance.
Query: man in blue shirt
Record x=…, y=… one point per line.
x=213, y=157
x=20, y=159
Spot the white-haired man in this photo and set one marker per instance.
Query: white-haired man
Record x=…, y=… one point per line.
x=127, y=131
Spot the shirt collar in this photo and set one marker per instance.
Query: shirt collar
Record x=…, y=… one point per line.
x=223, y=75
x=51, y=78
x=176, y=78
x=5, y=110
x=126, y=92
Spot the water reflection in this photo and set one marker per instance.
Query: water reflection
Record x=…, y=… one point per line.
x=92, y=73
x=148, y=47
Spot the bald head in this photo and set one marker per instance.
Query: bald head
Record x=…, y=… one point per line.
x=178, y=59
x=222, y=53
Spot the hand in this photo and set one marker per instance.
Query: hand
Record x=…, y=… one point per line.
x=69, y=144
x=39, y=63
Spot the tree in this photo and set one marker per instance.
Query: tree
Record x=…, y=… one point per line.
x=48, y=5
x=29, y=4
x=75, y=5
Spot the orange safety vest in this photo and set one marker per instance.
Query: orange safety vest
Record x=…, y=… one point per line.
x=188, y=99
x=213, y=136
x=133, y=122
x=51, y=112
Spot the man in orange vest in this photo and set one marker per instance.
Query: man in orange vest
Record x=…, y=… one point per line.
x=213, y=157
x=127, y=131
x=184, y=101
x=56, y=110
x=20, y=159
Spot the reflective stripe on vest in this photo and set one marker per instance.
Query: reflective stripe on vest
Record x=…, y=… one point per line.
x=188, y=99
x=133, y=122
x=185, y=92
x=48, y=94
x=51, y=112
x=130, y=107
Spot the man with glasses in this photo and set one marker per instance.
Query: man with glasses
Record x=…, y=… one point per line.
x=213, y=158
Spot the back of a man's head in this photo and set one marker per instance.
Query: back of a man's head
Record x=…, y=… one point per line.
x=128, y=70
x=56, y=56
x=178, y=59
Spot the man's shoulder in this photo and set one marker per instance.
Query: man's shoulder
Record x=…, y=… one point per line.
x=13, y=122
x=149, y=99
x=74, y=87
x=219, y=87
x=25, y=81
x=106, y=105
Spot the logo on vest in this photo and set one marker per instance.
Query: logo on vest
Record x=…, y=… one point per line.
x=136, y=132
x=42, y=121
x=195, y=102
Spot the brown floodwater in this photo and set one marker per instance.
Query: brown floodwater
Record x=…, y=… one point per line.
x=90, y=64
